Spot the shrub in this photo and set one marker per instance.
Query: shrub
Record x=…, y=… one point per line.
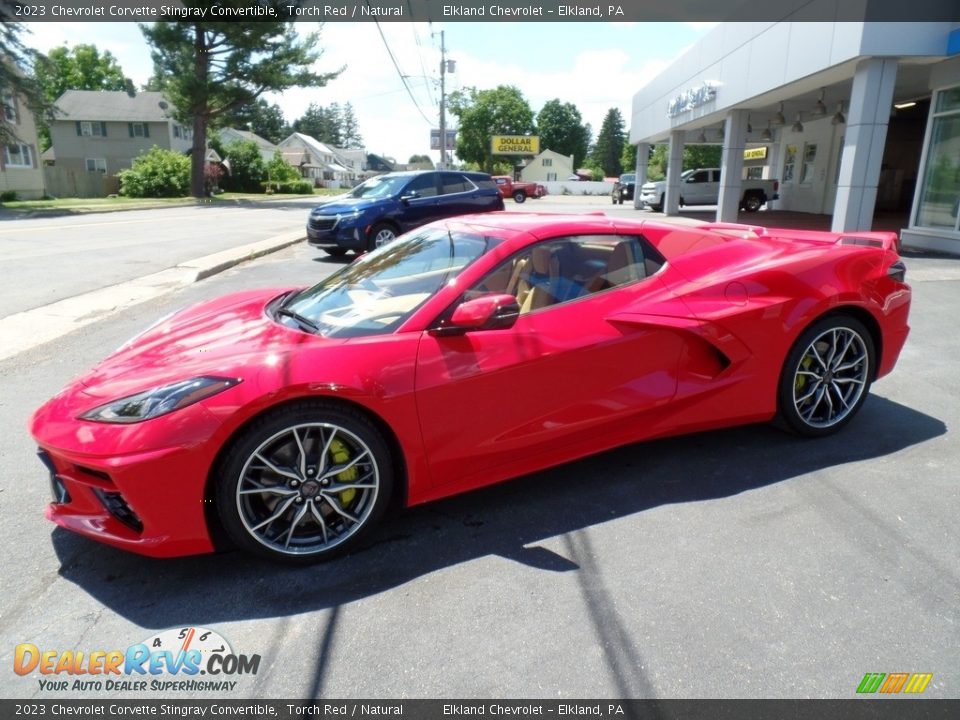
x=279, y=170
x=289, y=187
x=8, y=196
x=247, y=169
x=157, y=173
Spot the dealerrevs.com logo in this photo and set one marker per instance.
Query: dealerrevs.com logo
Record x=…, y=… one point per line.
x=893, y=683
x=177, y=660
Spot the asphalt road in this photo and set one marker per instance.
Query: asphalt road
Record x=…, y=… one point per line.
x=52, y=258
x=738, y=563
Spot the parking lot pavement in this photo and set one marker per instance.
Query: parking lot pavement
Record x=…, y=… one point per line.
x=737, y=563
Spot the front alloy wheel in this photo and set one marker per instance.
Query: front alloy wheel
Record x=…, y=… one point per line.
x=305, y=483
x=826, y=376
x=381, y=235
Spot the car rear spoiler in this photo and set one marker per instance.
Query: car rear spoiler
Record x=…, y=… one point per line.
x=884, y=240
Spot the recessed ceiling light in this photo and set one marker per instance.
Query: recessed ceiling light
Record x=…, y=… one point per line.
x=904, y=105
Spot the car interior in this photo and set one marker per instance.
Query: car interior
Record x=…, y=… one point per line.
x=559, y=270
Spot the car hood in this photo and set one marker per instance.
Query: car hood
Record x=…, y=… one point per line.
x=346, y=204
x=231, y=336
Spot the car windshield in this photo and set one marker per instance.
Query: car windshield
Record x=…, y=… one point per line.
x=629, y=178
x=379, y=187
x=377, y=292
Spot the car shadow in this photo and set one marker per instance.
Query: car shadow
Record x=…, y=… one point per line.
x=509, y=520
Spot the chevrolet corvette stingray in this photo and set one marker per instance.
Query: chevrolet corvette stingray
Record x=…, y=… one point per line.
x=464, y=353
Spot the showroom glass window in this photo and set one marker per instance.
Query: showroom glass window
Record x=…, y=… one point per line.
x=939, y=199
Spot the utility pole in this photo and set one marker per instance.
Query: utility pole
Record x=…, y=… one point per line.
x=443, y=104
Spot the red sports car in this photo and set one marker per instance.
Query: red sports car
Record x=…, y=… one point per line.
x=464, y=353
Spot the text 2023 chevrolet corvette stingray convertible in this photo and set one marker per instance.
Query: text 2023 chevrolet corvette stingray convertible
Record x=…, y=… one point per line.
x=467, y=352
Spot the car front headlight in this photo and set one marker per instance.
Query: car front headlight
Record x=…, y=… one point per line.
x=159, y=401
x=345, y=220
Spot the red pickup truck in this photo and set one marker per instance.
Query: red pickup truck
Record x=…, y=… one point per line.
x=519, y=191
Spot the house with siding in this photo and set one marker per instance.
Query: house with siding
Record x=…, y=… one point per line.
x=100, y=131
x=267, y=148
x=548, y=166
x=20, y=170
x=318, y=162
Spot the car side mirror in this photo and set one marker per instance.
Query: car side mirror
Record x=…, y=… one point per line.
x=490, y=312
x=408, y=196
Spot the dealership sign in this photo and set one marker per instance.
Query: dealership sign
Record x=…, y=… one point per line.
x=692, y=98
x=515, y=144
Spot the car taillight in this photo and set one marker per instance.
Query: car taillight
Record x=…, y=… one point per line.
x=776, y=185
x=897, y=271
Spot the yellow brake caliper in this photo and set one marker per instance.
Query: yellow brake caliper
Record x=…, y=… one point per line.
x=801, y=382
x=340, y=455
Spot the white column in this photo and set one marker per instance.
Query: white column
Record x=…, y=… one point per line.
x=865, y=137
x=671, y=205
x=731, y=166
x=643, y=156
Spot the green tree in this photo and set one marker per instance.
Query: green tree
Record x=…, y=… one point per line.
x=279, y=170
x=259, y=117
x=320, y=123
x=628, y=159
x=562, y=130
x=15, y=59
x=414, y=159
x=609, y=146
x=485, y=113
x=82, y=67
x=216, y=67
x=350, y=129
x=247, y=169
x=156, y=173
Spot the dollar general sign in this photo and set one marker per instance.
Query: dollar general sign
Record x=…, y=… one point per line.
x=515, y=144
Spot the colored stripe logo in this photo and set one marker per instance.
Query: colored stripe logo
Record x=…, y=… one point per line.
x=891, y=683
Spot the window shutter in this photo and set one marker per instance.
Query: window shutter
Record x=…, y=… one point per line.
x=79, y=130
x=16, y=110
x=130, y=129
x=103, y=129
x=33, y=155
x=146, y=130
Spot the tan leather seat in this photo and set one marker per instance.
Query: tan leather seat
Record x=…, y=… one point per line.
x=622, y=268
x=545, y=264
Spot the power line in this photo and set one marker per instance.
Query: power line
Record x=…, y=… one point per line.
x=403, y=79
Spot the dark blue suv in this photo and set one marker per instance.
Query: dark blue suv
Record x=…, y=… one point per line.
x=376, y=211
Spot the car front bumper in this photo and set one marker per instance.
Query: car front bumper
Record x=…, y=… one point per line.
x=324, y=233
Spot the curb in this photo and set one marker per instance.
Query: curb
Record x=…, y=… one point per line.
x=28, y=329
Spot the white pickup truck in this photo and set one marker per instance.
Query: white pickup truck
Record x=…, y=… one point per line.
x=702, y=187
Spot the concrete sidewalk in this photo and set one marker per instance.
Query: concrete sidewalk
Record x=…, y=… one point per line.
x=24, y=330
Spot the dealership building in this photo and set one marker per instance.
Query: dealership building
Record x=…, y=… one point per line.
x=853, y=119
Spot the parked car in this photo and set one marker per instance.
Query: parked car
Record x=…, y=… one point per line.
x=624, y=188
x=379, y=209
x=291, y=418
x=701, y=186
x=519, y=191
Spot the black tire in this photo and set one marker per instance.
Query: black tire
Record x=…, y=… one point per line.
x=519, y=196
x=620, y=200
x=289, y=454
x=335, y=252
x=658, y=208
x=817, y=397
x=752, y=202
x=613, y=200
x=381, y=234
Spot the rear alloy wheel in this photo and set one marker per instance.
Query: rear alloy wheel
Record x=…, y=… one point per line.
x=519, y=196
x=305, y=483
x=826, y=376
x=381, y=235
x=752, y=202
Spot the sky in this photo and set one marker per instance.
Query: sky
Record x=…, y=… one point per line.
x=595, y=66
